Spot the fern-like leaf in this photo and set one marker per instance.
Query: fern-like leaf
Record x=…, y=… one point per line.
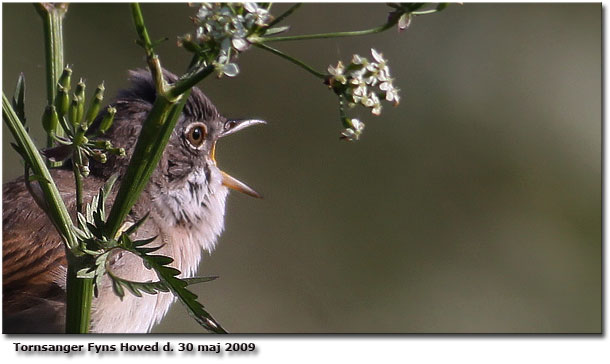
x=168, y=277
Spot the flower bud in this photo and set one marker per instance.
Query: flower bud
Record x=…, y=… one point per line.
x=84, y=170
x=79, y=92
x=187, y=43
x=107, y=120
x=64, y=79
x=80, y=138
x=62, y=101
x=99, y=156
x=117, y=151
x=94, y=108
x=103, y=144
x=80, y=89
x=73, y=112
x=50, y=120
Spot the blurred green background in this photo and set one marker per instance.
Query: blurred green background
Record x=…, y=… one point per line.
x=473, y=207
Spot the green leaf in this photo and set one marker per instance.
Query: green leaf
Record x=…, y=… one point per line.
x=159, y=259
x=118, y=290
x=37, y=178
x=149, y=250
x=277, y=30
x=142, y=242
x=135, y=226
x=108, y=186
x=85, y=273
x=167, y=276
x=18, y=149
x=18, y=100
x=195, y=280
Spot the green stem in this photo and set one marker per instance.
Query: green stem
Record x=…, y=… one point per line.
x=56, y=209
x=78, y=180
x=186, y=84
x=378, y=29
x=153, y=60
x=286, y=14
x=78, y=301
x=291, y=59
x=156, y=129
x=145, y=156
x=79, y=291
x=52, y=17
x=425, y=12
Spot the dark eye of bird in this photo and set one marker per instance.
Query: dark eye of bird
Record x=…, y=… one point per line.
x=195, y=134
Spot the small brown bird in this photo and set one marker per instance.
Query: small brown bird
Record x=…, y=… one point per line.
x=185, y=199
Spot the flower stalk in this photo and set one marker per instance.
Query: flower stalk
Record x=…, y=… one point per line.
x=52, y=18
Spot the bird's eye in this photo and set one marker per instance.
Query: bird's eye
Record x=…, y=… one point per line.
x=195, y=134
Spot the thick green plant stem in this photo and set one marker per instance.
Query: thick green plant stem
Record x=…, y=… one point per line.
x=146, y=155
x=156, y=129
x=52, y=18
x=54, y=205
x=78, y=303
x=79, y=290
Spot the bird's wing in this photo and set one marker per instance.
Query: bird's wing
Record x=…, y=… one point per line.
x=33, y=265
x=33, y=258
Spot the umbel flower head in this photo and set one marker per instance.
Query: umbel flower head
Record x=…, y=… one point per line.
x=362, y=82
x=221, y=33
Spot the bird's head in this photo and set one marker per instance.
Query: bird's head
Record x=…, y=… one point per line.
x=187, y=175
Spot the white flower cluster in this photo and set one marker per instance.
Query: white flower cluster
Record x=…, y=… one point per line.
x=363, y=82
x=223, y=27
x=353, y=130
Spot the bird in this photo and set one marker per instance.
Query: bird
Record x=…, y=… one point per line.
x=184, y=200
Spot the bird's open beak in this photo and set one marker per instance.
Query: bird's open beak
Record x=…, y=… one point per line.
x=230, y=127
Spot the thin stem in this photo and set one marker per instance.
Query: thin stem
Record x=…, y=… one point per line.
x=291, y=59
x=425, y=12
x=153, y=60
x=79, y=293
x=52, y=17
x=286, y=14
x=156, y=130
x=78, y=180
x=55, y=207
x=79, y=290
x=181, y=86
x=378, y=29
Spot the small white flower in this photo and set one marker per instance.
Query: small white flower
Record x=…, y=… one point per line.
x=385, y=86
x=404, y=21
x=349, y=134
x=360, y=90
x=392, y=95
x=251, y=7
x=336, y=71
x=240, y=44
x=378, y=56
x=356, y=59
x=357, y=125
